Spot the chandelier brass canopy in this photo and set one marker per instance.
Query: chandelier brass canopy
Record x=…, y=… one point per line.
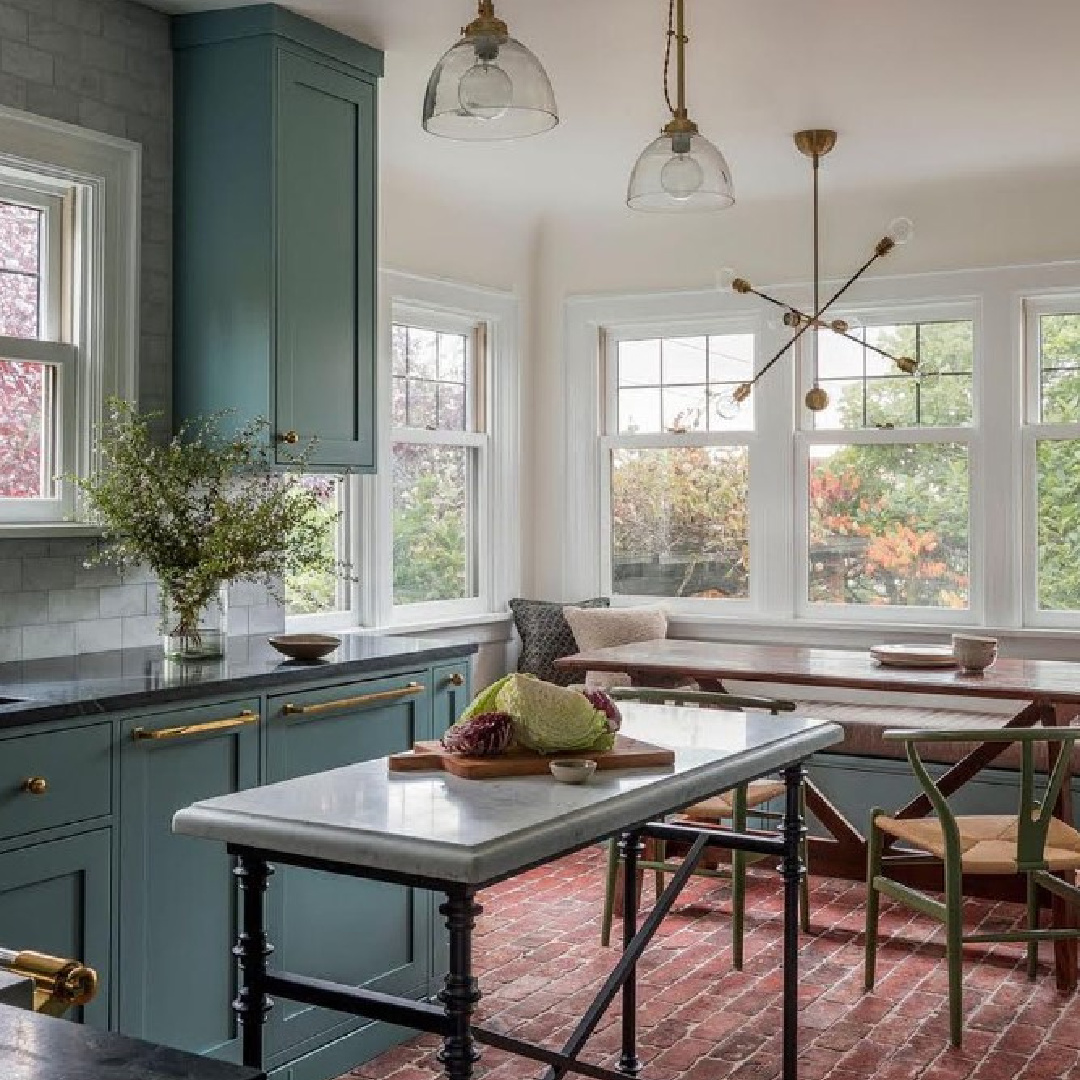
x=815, y=144
x=681, y=170
x=488, y=86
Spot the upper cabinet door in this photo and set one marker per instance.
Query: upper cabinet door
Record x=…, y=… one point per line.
x=325, y=157
x=274, y=266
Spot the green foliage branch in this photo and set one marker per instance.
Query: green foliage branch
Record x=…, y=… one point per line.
x=206, y=508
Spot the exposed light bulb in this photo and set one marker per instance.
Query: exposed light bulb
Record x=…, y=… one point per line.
x=681, y=176
x=900, y=230
x=727, y=408
x=485, y=91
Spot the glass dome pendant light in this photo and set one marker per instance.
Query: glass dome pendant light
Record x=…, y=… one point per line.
x=681, y=170
x=488, y=86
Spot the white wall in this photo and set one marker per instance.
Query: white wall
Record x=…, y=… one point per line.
x=974, y=222
x=422, y=231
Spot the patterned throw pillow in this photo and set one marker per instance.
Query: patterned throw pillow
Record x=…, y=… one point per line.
x=546, y=635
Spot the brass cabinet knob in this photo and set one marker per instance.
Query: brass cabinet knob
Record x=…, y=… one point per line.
x=36, y=785
x=291, y=437
x=457, y=679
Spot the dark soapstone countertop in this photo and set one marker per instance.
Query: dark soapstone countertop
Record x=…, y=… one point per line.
x=35, y=1047
x=93, y=684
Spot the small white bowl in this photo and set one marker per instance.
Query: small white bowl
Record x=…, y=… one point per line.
x=575, y=771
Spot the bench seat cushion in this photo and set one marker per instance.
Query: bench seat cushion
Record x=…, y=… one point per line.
x=863, y=726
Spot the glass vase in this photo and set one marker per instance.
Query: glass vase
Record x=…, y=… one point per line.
x=198, y=635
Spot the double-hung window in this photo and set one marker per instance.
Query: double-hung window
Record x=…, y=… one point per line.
x=69, y=201
x=676, y=459
x=887, y=465
x=1051, y=439
x=439, y=462
x=37, y=361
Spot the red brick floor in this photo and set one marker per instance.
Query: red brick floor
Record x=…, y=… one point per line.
x=539, y=962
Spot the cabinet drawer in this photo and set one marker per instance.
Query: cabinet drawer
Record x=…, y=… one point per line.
x=54, y=778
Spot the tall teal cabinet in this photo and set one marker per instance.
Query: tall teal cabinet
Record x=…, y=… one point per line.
x=275, y=228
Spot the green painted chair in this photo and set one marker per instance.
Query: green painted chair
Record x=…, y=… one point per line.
x=733, y=806
x=1031, y=842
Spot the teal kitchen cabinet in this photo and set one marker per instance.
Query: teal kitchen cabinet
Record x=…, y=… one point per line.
x=365, y=933
x=177, y=895
x=55, y=897
x=451, y=694
x=275, y=263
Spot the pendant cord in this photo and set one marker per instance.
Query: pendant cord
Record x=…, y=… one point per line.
x=680, y=61
x=667, y=56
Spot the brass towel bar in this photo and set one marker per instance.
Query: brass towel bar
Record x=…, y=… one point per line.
x=246, y=717
x=352, y=702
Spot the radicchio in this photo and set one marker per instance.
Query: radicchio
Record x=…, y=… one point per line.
x=484, y=735
x=598, y=699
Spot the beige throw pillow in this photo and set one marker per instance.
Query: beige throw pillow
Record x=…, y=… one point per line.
x=597, y=628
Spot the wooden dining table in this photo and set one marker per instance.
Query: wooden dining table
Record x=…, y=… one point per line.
x=1045, y=691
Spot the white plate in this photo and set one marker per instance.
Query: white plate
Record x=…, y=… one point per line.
x=914, y=655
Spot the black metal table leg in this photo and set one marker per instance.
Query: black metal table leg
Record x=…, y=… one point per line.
x=252, y=950
x=630, y=847
x=460, y=991
x=792, y=871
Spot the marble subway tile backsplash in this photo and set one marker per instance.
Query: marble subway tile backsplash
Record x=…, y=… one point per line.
x=53, y=604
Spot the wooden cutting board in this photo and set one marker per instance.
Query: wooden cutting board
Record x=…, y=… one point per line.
x=626, y=754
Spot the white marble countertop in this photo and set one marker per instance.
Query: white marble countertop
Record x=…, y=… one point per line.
x=476, y=831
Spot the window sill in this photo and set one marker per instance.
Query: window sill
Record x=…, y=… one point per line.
x=48, y=529
x=492, y=619
x=1033, y=642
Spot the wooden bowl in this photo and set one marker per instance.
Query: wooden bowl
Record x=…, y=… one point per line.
x=305, y=646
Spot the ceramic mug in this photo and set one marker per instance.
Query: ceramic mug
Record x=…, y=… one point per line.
x=973, y=653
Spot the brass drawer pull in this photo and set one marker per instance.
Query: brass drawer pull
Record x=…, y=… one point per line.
x=289, y=437
x=348, y=703
x=35, y=785
x=457, y=679
x=246, y=717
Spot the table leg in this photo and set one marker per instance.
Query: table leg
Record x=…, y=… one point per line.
x=460, y=991
x=792, y=870
x=1064, y=915
x=252, y=950
x=630, y=847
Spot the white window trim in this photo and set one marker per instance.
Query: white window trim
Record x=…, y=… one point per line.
x=998, y=515
x=1034, y=430
x=612, y=440
x=105, y=172
x=499, y=574
x=808, y=436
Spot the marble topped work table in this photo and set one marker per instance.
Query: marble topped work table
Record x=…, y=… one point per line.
x=36, y=1047
x=455, y=836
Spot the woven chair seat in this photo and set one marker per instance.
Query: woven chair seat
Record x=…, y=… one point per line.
x=720, y=807
x=987, y=841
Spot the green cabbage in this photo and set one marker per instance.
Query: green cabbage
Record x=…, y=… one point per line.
x=547, y=718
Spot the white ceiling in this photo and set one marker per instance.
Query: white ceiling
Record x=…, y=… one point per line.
x=920, y=91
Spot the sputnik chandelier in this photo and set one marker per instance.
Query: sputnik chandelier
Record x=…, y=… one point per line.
x=815, y=144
